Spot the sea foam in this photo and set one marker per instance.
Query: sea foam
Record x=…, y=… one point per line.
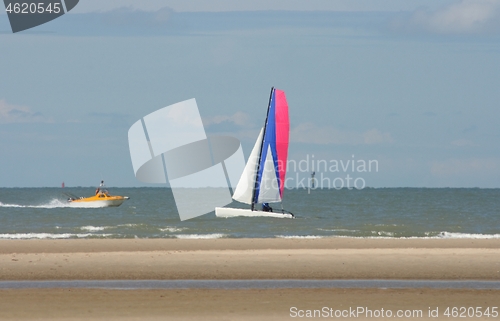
x=20, y=236
x=200, y=236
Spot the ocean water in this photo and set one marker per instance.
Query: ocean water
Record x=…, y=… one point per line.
x=43, y=213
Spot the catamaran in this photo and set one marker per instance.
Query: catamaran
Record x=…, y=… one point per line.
x=263, y=179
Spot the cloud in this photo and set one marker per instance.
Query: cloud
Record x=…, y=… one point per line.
x=464, y=17
x=322, y=135
x=20, y=114
x=237, y=120
x=109, y=117
x=375, y=136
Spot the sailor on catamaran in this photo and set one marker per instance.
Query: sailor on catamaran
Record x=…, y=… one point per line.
x=266, y=207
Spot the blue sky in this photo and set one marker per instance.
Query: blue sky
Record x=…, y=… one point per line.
x=413, y=85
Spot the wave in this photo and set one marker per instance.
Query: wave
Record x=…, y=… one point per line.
x=452, y=235
x=390, y=235
x=337, y=230
x=442, y=235
x=173, y=229
x=383, y=233
x=54, y=203
x=299, y=236
x=91, y=228
x=200, y=236
x=129, y=225
x=19, y=236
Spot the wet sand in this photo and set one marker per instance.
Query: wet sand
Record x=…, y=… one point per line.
x=202, y=304
x=332, y=258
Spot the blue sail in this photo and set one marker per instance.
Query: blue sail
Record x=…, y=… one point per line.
x=274, y=151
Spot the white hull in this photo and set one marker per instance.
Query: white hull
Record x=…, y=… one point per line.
x=234, y=212
x=98, y=204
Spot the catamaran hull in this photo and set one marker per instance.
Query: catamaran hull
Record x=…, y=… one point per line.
x=235, y=212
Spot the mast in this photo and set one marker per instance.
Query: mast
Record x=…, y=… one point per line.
x=260, y=153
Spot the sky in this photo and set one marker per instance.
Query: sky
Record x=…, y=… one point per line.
x=409, y=85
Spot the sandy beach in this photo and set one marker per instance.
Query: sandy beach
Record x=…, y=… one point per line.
x=328, y=258
x=221, y=259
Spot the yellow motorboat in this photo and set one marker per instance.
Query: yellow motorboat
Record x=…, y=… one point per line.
x=102, y=198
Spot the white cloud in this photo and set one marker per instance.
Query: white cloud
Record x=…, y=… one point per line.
x=240, y=119
x=464, y=17
x=310, y=133
x=375, y=136
x=19, y=114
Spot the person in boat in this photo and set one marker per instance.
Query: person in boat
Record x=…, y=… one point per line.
x=266, y=207
x=100, y=188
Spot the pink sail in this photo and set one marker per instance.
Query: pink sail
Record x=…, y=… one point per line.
x=273, y=152
x=282, y=135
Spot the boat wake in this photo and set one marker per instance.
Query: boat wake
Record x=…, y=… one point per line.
x=54, y=203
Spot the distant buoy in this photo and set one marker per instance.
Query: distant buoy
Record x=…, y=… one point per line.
x=62, y=185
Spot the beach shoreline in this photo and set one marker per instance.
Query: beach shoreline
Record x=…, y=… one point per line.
x=171, y=244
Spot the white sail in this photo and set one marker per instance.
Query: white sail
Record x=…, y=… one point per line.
x=268, y=188
x=244, y=189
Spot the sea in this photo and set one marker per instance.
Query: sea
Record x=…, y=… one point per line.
x=44, y=213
